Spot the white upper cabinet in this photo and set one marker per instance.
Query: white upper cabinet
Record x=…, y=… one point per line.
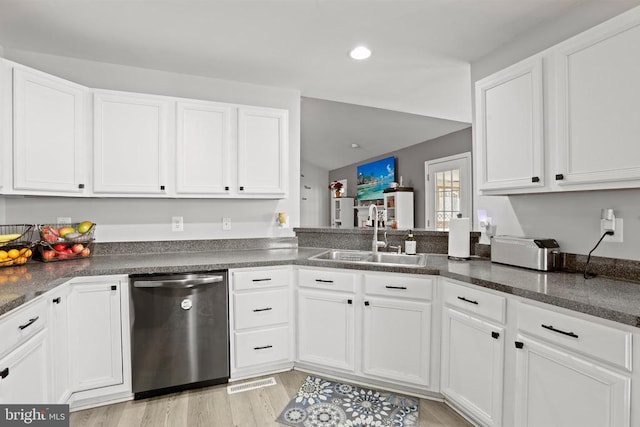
x=565, y=119
x=599, y=106
x=263, y=147
x=509, y=128
x=130, y=138
x=203, y=147
x=48, y=133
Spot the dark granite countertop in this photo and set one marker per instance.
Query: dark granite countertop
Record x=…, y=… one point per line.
x=602, y=297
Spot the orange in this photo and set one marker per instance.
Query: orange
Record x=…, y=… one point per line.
x=22, y=251
x=3, y=255
x=28, y=253
x=13, y=253
x=20, y=260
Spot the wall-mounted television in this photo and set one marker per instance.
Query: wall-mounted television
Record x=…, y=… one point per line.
x=374, y=177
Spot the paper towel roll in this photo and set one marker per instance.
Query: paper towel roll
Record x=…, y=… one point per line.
x=459, y=238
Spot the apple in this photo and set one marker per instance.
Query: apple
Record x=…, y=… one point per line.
x=77, y=248
x=48, y=255
x=59, y=247
x=85, y=252
x=48, y=237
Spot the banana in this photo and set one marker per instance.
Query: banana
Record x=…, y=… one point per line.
x=8, y=237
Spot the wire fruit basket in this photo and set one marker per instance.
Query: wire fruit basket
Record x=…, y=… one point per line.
x=61, y=242
x=16, y=244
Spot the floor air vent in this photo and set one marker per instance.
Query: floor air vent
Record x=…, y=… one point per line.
x=251, y=385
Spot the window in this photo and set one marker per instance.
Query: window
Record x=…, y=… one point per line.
x=448, y=184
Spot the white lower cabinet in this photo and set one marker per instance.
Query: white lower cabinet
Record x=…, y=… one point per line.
x=24, y=373
x=472, y=363
x=396, y=328
x=58, y=301
x=570, y=371
x=89, y=341
x=326, y=322
x=95, y=336
x=260, y=321
x=375, y=326
x=558, y=388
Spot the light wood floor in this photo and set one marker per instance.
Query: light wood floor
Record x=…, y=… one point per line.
x=213, y=407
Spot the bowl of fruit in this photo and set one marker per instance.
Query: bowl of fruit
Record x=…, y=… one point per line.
x=16, y=244
x=60, y=242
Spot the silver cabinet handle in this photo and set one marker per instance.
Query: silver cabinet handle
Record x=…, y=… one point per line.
x=188, y=282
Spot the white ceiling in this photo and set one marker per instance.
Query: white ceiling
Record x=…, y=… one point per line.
x=422, y=49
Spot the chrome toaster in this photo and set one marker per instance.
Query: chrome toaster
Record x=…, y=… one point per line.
x=537, y=254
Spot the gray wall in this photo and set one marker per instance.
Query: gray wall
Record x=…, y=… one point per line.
x=572, y=217
x=410, y=165
x=149, y=219
x=314, y=203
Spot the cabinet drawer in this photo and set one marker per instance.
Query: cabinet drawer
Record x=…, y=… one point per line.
x=260, y=279
x=16, y=328
x=474, y=301
x=327, y=279
x=261, y=308
x=260, y=347
x=399, y=286
x=591, y=339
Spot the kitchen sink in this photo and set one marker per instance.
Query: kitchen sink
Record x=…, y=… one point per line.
x=367, y=257
x=343, y=255
x=419, y=260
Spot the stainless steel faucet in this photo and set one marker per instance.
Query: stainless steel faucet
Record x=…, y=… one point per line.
x=375, y=244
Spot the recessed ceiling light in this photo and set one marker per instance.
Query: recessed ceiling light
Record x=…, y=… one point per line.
x=360, y=52
x=354, y=145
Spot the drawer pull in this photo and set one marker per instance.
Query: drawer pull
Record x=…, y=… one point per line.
x=261, y=280
x=349, y=301
x=551, y=328
x=255, y=310
x=468, y=300
x=29, y=323
x=57, y=300
x=519, y=344
x=396, y=287
x=367, y=303
x=324, y=281
x=495, y=335
x=4, y=373
x=264, y=347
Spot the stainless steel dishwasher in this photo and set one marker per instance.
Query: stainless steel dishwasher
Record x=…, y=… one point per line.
x=179, y=332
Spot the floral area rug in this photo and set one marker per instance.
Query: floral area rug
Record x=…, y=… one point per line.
x=324, y=403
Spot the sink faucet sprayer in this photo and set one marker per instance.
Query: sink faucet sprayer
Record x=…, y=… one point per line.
x=375, y=244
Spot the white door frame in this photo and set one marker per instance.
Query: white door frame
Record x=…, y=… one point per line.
x=464, y=161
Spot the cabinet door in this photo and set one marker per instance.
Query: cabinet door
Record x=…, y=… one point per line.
x=326, y=329
x=130, y=137
x=263, y=149
x=472, y=365
x=59, y=334
x=555, y=388
x=24, y=373
x=509, y=121
x=599, y=107
x=49, y=139
x=95, y=346
x=390, y=325
x=203, y=148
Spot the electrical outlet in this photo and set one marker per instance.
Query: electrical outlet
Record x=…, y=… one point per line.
x=177, y=223
x=64, y=220
x=226, y=223
x=617, y=234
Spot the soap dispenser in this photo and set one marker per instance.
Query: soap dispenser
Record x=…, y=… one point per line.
x=410, y=244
